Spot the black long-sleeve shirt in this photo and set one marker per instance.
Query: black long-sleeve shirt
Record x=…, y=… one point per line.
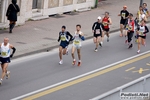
x=67, y=34
x=97, y=25
x=146, y=29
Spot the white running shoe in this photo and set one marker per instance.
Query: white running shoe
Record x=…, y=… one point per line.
x=96, y=50
x=61, y=62
x=7, y=74
x=138, y=51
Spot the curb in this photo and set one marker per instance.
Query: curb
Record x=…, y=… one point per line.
x=53, y=47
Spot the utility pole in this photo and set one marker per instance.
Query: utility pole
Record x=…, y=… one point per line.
x=141, y=2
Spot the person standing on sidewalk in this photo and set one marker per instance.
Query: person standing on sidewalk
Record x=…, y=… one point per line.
x=78, y=37
x=64, y=37
x=106, y=22
x=130, y=31
x=141, y=34
x=11, y=14
x=124, y=16
x=5, y=55
x=97, y=30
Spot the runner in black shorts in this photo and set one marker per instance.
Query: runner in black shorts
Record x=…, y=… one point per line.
x=64, y=38
x=124, y=16
x=97, y=32
x=141, y=34
x=106, y=22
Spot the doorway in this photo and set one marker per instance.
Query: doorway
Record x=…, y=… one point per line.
x=34, y=4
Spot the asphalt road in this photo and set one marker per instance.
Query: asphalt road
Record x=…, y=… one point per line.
x=38, y=71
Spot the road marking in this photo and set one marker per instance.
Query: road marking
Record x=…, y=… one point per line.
x=81, y=78
x=140, y=71
x=130, y=69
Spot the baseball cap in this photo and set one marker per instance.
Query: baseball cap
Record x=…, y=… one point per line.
x=99, y=18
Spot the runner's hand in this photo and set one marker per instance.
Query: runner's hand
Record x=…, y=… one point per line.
x=11, y=55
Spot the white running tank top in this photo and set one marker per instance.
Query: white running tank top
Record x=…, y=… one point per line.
x=142, y=30
x=77, y=39
x=5, y=51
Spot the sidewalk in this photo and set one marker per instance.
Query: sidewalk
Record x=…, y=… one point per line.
x=38, y=36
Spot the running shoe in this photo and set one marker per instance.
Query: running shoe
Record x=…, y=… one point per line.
x=130, y=46
x=96, y=50
x=61, y=62
x=101, y=44
x=107, y=39
x=79, y=63
x=67, y=52
x=121, y=35
x=74, y=62
x=138, y=51
x=126, y=41
x=7, y=74
x=0, y=82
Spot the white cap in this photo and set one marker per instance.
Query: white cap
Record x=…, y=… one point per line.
x=99, y=17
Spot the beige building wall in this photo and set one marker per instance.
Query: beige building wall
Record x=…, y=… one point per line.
x=43, y=8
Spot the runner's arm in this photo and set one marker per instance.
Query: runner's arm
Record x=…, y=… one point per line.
x=146, y=30
x=58, y=38
x=71, y=37
x=110, y=21
x=93, y=27
x=14, y=50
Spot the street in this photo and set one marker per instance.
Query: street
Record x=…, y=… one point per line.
x=34, y=72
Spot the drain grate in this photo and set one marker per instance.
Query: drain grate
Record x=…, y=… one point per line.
x=21, y=42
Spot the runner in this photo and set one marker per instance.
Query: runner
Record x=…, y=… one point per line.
x=141, y=32
x=63, y=48
x=146, y=12
x=78, y=37
x=106, y=22
x=130, y=31
x=124, y=16
x=5, y=58
x=97, y=32
x=141, y=16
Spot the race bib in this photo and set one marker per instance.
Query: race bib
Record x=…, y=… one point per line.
x=130, y=27
x=4, y=53
x=76, y=42
x=63, y=38
x=127, y=27
x=105, y=24
x=124, y=15
x=141, y=33
x=97, y=31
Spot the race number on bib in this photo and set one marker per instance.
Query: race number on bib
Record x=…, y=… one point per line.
x=63, y=38
x=97, y=31
x=123, y=15
x=130, y=27
x=105, y=24
x=76, y=42
x=4, y=53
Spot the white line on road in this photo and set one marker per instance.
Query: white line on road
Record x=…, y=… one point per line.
x=66, y=81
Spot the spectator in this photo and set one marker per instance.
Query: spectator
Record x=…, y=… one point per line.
x=11, y=14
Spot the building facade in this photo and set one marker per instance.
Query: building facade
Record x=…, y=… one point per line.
x=41, y=8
